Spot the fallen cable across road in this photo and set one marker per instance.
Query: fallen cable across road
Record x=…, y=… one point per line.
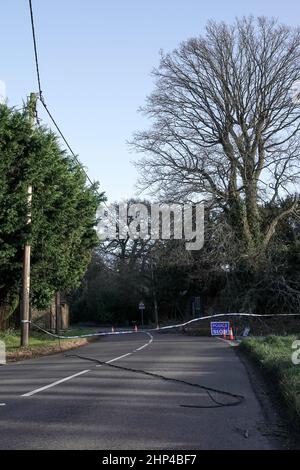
x=208, y=390
x=237, y=399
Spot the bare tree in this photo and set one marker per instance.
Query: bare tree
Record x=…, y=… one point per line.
x=226, y=126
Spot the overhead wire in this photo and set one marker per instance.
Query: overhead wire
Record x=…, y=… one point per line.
x=113, y=217
x=42, y=99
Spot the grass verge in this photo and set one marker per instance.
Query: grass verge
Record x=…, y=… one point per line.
x=40, y=344
x=273, y=354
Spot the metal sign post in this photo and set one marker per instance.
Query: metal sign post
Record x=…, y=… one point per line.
x=141, y=309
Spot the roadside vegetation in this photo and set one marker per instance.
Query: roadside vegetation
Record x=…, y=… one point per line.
x=41, y=344
x=273, y=354
x=63, y=213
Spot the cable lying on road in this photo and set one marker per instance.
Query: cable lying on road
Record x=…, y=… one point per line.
x=237, y=399
x=208, y=390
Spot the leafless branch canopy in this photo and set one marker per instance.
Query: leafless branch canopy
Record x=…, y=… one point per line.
x=226, y=122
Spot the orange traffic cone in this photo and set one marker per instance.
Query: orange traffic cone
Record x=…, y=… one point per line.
x=135, y=328
x=224, y=334
x=231, y=337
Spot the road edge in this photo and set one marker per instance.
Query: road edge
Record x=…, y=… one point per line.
x=277, y=426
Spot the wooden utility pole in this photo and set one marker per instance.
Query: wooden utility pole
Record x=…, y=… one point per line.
x=57, y=313
x=154, y=295
x=52, y=322
x=25, y=305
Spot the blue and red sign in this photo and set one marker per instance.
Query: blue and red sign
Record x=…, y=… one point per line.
x=218, y=328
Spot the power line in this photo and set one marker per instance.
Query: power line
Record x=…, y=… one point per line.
x=65, y=141
x=42, y=98
x=35, y=49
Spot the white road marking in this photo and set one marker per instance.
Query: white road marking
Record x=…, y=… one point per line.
x=115, y=359
x=120, y=357
x=142, y=347
x=129, y=354
x=145, y=345
x=53, y=384
x=2, y=404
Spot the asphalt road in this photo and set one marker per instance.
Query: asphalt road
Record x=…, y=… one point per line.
x=59, y=402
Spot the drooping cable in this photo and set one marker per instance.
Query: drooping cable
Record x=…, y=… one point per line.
x=35, y=49
x=41, y=97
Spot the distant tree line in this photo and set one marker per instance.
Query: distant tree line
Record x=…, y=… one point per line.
x=124, y=272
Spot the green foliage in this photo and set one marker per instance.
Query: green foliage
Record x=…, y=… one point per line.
x=63, y=211
x=273, y=355
x=38, y=339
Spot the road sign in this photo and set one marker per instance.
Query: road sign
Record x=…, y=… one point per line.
x=246, y=331
x=217, y=328
x=141, y=309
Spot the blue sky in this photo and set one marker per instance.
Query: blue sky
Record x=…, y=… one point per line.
x=96, y=57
